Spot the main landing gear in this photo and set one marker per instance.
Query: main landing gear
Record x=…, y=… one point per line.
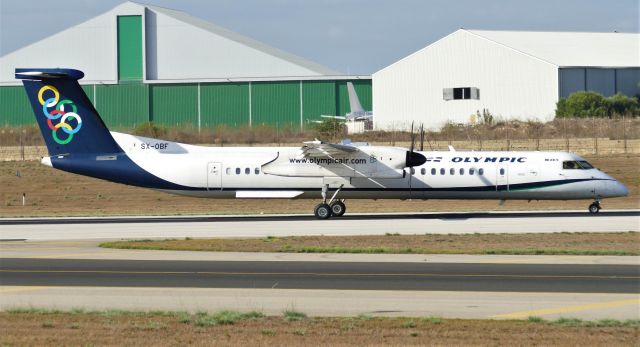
x=334, y=207
x=594, y=207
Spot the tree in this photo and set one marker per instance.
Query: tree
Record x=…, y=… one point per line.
x=330, y=129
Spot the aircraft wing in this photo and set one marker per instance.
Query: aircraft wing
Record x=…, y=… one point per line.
x=318, y=149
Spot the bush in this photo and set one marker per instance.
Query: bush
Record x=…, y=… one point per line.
x=592, y=104
x=330, y=129
x=582, y=105
x=149, y=129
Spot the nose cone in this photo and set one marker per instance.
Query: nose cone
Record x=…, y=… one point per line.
x=414, y=159
x=619, y=189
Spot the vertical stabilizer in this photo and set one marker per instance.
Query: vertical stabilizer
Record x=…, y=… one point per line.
x=354, y=102
x=68, y=121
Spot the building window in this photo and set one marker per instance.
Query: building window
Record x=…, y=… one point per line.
x=462, y=93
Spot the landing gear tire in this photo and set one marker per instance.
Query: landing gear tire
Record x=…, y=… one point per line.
x=594, y=208
x=322, y=211
x=338, y=208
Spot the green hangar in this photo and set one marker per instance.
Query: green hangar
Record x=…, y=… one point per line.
x=146, y=63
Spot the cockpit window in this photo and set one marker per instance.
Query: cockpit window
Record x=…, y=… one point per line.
x=585, y=165
x=576, y=165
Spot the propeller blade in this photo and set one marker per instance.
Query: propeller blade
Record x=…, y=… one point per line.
x=421, y=137
x=412, y=138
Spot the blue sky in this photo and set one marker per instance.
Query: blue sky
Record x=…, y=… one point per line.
x=352, y=36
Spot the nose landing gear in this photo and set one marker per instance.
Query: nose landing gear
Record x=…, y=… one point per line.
x=334, y=207
x=594, y=207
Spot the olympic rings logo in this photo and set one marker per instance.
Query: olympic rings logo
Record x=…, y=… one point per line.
x=53, y=100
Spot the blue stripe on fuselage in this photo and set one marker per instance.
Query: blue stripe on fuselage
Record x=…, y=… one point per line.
x=121, y=170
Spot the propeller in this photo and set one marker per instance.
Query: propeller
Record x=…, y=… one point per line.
x=413, y=159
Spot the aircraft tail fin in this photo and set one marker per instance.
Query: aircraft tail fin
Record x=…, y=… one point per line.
x=354, y=101
x=68, y=121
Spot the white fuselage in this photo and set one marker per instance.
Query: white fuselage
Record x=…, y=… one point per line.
x=281, y=172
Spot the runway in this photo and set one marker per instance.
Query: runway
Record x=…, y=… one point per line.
x=72, y=272
x=326, y=275
x=299, y=225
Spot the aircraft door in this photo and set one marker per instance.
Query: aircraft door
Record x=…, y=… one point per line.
x=502, y=177
x=214, y=176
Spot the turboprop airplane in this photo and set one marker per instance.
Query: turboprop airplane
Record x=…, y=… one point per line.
x=79, y=142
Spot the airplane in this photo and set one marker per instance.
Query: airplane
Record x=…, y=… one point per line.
x=79, y=142
x=357, y=112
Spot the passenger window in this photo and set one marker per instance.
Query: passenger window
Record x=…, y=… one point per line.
x=257, y=171
x=501, y=171
x=237, y=171
x=413, y=171
x=472, y=171
x=442, y=171
x=433, y=171
x=481, y=171
x=228, y=171
x=423, y=171
x=461, y=171
x=452, y=171
x=247, y=171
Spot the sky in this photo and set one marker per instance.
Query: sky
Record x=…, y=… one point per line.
x=351, y=36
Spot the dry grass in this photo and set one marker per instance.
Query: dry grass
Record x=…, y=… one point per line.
x=171, y=329
x=52, y=192
x=616, y=128
x=556, y=243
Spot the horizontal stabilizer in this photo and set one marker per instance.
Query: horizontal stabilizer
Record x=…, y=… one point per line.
x=43, y=74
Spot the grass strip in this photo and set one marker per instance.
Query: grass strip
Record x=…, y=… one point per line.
x=594, y=244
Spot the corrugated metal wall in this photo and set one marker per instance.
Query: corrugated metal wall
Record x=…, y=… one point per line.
x=174, y=104
x=14, y=107
x=319, y=98
x=276, y=103
x=224, y=103
x=123, y=105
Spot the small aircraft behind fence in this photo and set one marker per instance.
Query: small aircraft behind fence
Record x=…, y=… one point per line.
x=79, y=142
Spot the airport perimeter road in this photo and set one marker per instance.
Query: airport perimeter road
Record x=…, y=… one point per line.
x=297, y=225
x=322, y=275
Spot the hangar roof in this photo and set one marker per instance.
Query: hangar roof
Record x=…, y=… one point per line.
x=220, y=31
x=177, y=47
x=566, y=49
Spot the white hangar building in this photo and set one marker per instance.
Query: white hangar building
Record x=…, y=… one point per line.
x=512, y=74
